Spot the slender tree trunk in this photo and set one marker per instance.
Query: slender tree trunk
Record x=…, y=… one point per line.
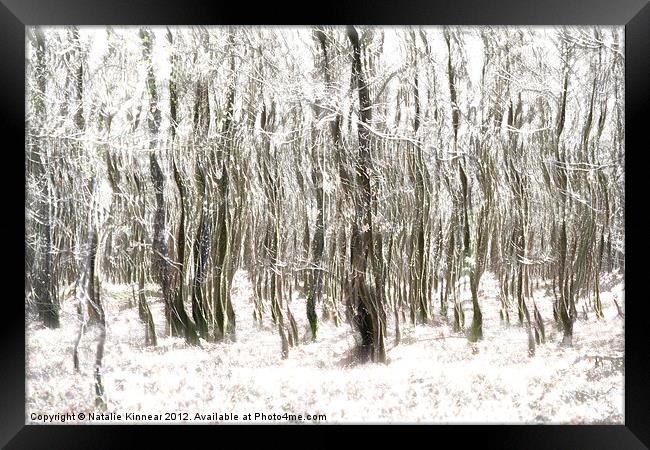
x=370, y=315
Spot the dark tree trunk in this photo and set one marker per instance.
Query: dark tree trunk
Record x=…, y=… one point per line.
x=225, y=234
x=175, y=312
x=314, y=292
x=44, y=280
x=370, y=315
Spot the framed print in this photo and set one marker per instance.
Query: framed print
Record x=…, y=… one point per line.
x=383, y=215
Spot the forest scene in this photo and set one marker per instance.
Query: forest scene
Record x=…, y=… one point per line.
x=349, y=223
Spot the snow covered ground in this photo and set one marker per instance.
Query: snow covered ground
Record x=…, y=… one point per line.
x=433, y=376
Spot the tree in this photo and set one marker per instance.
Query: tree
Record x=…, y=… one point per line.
x=366, y=298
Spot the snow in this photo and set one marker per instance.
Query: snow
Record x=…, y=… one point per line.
x=433, y=376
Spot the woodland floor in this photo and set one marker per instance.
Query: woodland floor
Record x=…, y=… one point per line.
x=434, y=375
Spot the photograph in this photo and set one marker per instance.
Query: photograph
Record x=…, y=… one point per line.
x=325, y=224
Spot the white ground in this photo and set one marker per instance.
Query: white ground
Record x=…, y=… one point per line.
x=434, y=375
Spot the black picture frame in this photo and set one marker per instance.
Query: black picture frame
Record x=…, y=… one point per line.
x=633, y=14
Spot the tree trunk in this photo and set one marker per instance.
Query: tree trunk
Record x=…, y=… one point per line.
x=370, y=315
